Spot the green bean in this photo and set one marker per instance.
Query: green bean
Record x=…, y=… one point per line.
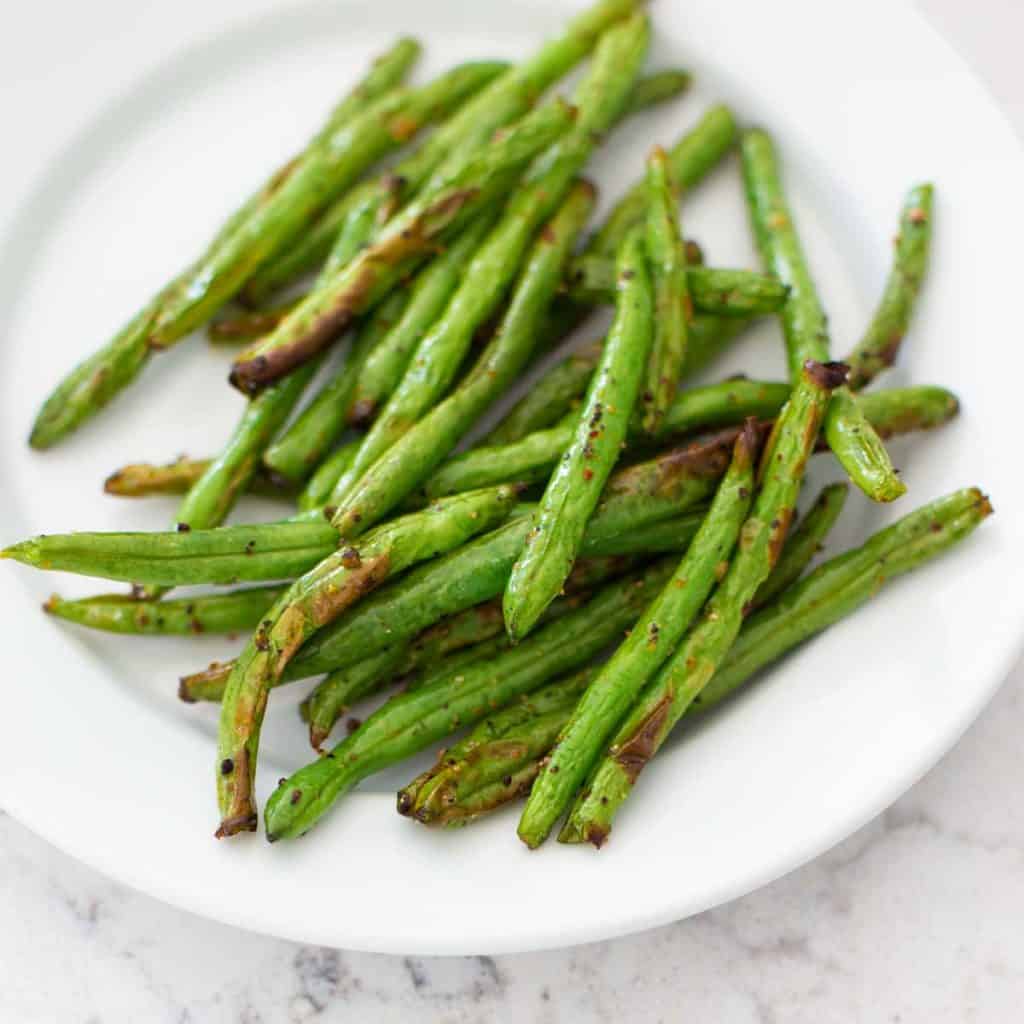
x=880, y=345
x=303, y=446
x=412, y=721
x=429, y=293
x=144, y=479
x=386, y=71
x=692, y=158
x=249, y=324
x=672, y=303
x=897, y=411
x=601, y=99
x=403, y=467
x=716, y=292
x=575, y=487
x=317, y=491
x=482, y=771
x=344, y=687
x=324, y=173
x=228, y=554
x=658, y=87
x=838, y=587
x=210, y=499
x=651, y=642
x=308, y=253
x=406, y=240
x=314, y=247
x=527, y=461
x=533, y=458
x=213, y=495
x=706, y=645
x=859, y=449
x=94, y=382
x=548, y=400
x=805, y=326
x=207, y=613
x=803, y=543
x=311, y=603
x=829, y=593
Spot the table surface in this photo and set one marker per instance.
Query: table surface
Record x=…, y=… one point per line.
x=914, y=918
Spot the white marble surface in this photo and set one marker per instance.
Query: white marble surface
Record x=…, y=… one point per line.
x=915, y=918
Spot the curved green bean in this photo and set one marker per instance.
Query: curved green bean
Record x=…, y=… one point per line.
x=878, y=349
x=575, y=487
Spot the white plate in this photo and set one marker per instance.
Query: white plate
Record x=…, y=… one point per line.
x=130, y=132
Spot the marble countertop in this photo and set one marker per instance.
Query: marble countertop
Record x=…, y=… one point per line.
x=914, y=918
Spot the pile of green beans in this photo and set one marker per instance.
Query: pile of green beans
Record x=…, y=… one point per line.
x=620, y=551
